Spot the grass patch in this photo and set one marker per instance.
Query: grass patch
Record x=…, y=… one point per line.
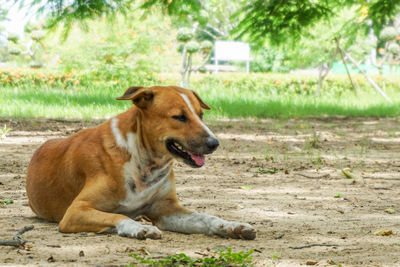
x=56, y=102
x=221, y=258
x=267, y=106
x=258, y=96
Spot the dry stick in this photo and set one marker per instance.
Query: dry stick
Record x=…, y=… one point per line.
x=381, y=178
x=377, y=88
x=17, y=240
x=314, y=177
x=315, y=245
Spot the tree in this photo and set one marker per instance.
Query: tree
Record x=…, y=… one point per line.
x=3, y=17
x=3, y=35
x=198, y=31
x=189, y=47
x=277, y=20
x=280, y=21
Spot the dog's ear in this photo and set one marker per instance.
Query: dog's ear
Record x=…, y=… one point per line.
x=139, y=95
x=129, y=92
x=202, y=104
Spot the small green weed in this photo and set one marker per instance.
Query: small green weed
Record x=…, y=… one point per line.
x=269, y=171
x=338, y=195
x=4, y=131
x=275, y=255
x=331, y=262
x=364, y=146
x=268, y=155
x=313, y=142
x=6, y=201
x=392, y=134
x=219, y=258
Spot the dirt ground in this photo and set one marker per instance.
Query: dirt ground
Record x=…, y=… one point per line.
x=282, y=176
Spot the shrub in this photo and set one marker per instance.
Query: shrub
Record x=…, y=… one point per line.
x=184, y=35
x=388, y=34
x=192, y=47
x=268, y=60
x=394, y=48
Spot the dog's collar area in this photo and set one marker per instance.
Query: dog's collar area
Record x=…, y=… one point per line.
x=178, y=150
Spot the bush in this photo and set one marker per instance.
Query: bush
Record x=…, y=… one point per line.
x=105, y=77
x=394, y=48
x=234, y=83
x=388, y=34
x=268, y=60
x=184, y=35
x=192, y=47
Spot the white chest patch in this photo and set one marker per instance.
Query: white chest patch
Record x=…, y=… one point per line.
x=135, y=202
x=141, y=190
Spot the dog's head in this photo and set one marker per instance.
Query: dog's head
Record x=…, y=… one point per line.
x=172, y=122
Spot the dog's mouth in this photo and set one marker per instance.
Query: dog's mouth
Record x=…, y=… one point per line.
x=190, y=158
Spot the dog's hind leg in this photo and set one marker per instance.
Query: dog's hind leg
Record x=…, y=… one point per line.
x=178, y=219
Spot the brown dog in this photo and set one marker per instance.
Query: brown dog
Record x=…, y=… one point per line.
x=101, y=178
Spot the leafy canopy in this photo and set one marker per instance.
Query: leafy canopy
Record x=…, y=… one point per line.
x=280, y=20
x=277, y=20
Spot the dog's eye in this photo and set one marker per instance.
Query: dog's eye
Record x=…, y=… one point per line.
x=201, y=115
x=181, y=118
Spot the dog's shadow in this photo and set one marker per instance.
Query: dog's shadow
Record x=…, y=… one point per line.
x=39, y=221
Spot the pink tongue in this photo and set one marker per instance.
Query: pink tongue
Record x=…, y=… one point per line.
x=199, y=159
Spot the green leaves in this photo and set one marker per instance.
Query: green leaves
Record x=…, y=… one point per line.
x=338, y=195
x=269, y=171
x=219, y=258
x=280, y=21
x=6, y=201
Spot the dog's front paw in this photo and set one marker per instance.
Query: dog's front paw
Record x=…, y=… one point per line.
x=148, y=231
x=239, y=230
x=131, y=228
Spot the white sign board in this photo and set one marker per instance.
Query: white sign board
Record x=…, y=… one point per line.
x=232, y=51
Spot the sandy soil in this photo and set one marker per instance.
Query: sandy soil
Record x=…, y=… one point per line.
x=280, y=176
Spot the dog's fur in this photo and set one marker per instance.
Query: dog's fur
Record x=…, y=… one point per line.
x=101, y=178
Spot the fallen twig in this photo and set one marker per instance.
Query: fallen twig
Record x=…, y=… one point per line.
x=381, y=188
x=202, y=254
x=315, y=245
x=279, y=236
x=53, y=246
x=17, y=240
x=326, y=175
x=381, y=178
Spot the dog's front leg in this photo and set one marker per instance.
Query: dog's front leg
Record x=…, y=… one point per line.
x=82, y=217
x=91, y=211
x=179, y=219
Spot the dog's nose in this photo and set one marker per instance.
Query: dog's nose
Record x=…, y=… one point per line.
x=212, y=143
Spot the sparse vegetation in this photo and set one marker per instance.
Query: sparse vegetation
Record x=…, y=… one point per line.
x=4, y=131
x=6, y=201
x=220, y=258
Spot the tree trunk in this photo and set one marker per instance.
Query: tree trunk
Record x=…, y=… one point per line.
x=184, y=66
x=189, y=71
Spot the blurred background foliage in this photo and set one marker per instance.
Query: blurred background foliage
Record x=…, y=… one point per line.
x=98, y=47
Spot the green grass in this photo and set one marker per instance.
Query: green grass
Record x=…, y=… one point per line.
x=94, y=102
x=239, y=97
x=220, y=258
x=264, y=105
